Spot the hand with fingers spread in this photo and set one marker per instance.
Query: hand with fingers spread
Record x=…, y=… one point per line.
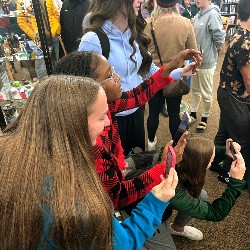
x=238, y=167
x=178, y=62
x=187, y=54
x=166, y=189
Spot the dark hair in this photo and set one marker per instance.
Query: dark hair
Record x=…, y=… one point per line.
x=192, y=169
x=78, y=64
x=106, y=10
x=244, y=10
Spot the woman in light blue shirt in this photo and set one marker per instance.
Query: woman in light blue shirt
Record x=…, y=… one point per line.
x=123, y=24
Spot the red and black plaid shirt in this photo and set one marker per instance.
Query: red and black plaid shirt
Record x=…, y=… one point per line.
x=108, y=152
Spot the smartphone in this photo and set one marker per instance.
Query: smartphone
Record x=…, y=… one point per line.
x=231, y=147
x=184, y=125
x=171, y=159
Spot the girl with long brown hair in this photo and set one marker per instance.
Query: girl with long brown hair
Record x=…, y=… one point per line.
x=51, y=195
x=190, y=199
x=197, y=155
x=48, y=161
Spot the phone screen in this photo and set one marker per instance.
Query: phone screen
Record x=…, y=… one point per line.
x=171, y=159
x=184, y=125
x=231, y=147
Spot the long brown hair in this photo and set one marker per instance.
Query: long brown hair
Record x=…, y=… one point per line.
x=47, y=172
x=106, y=10
x=192, y=169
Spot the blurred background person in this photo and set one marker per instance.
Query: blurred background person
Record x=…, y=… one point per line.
x=190, y=9
x=234, y=91
x=147, y=8
x=219, y=3
x=71, y=18
x=210, y=37
x=180, y=36
x=27, y=22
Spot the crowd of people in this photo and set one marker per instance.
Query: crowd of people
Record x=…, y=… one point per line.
x=79, y=161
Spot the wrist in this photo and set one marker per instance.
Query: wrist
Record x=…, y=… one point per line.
x=181, y=72
x=167, y=69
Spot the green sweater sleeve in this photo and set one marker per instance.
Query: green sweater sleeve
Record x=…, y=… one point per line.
x=215, y=211
x=219, y=153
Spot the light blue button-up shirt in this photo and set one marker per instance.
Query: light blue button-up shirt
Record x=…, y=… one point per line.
x=119, y=57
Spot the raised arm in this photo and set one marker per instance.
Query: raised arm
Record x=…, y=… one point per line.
x=146, y=90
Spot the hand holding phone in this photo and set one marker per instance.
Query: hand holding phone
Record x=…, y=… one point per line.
x=171, y=159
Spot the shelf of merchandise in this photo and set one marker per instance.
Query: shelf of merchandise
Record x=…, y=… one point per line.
x=230, y=10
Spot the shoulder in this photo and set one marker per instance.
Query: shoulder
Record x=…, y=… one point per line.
x=90, y=36
x=184, y=23
x=215, y=11
x=185, y=20
x=90, y=42
x=242, y=40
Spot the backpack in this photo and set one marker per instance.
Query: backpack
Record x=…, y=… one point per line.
x=104, y=41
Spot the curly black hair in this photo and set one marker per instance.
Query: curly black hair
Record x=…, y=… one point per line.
x=78, y=64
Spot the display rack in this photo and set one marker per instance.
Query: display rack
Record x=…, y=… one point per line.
x=229, y=10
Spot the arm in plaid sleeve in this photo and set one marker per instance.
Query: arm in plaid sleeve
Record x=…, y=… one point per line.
x=142, y=93
x=124, y=192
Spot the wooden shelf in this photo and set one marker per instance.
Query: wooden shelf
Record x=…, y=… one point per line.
x=233, y=14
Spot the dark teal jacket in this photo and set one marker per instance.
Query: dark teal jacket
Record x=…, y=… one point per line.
x=190, y=12
x=215, y=211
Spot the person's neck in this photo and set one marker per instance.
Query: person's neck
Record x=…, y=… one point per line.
x=121, y=22
x=205, y=7
x=245, y=25
x=188, y=6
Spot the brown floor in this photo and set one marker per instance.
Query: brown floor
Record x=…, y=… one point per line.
x=234, y=231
